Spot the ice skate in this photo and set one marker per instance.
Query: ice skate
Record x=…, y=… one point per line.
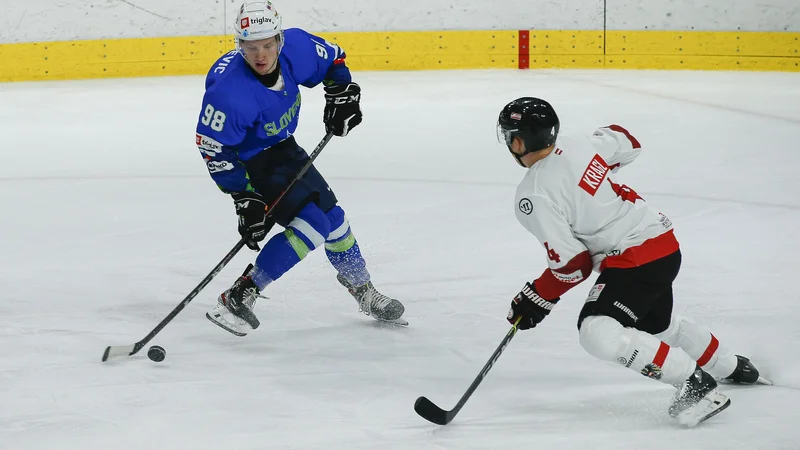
x=234, y=309
x=373, y=303
x=697, y=400
x=745, y=373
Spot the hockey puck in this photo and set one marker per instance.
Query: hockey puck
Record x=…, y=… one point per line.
x=156, y=353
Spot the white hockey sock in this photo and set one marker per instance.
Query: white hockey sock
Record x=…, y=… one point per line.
x=699, y=343
x=606, y=339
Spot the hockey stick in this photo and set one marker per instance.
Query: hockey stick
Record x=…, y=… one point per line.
x=115, y=351
x=432, y=413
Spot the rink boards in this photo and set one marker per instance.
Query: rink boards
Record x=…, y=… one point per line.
x=422, y=50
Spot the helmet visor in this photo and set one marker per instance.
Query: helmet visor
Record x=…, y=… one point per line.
x=505, y=135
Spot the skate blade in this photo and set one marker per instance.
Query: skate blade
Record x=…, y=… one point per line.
x=400, y=322
x=764, y=381
x=221, y=322
x=761, y=381
x=711, y=405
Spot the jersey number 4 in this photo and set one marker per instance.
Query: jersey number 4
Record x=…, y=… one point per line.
x=552, y=253
x=213, y=118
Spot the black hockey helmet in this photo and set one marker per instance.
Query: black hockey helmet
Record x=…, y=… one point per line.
x=531, y=119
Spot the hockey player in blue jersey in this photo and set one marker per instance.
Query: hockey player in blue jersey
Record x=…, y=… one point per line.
x=245, y=134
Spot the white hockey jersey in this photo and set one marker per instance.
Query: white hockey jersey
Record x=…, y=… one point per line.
x=585, y=219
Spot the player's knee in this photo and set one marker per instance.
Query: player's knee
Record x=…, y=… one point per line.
x=339, y=223
x=673, y=332
x=308, y=229
x=602, y=337
x=685, y=333
x=340, y=238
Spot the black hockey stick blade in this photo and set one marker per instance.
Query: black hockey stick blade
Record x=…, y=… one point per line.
x=432, y=413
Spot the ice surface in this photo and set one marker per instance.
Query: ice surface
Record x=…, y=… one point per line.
x=109, y=219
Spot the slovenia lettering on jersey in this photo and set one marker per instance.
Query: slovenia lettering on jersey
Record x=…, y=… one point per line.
x=285, y=120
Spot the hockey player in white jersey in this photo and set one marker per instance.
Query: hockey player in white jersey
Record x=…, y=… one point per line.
x=587, y=221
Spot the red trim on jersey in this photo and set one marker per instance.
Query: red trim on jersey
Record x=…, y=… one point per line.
x=648, y=251
x=661, y=355
x=523, y=45
x=710, y=350
x=339, y=60
x=630, y=137
x=550, y=286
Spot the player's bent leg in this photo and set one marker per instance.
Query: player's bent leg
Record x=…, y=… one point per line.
x=697, y=398
x=345, y=256
x=304, y=233
x=606, y=339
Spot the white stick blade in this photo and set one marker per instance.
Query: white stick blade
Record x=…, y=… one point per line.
x=116, y=351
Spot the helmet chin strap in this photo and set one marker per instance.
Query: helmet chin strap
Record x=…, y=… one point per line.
x=518, y=157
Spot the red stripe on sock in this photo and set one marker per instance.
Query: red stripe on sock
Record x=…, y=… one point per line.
x=710, y=350
x=661, y=355
x=523, y=47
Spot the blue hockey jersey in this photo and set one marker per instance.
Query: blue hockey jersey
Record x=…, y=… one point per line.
x=241, y=117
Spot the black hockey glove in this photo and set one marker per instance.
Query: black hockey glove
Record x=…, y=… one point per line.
x=252, y=212
x=530, y=306
x=342, y=110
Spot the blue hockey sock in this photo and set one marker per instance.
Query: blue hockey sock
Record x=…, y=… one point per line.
x=279, y=254
x=345, y=256
x=260, y=277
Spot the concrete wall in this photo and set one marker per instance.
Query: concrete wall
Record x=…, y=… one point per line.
x=67, y=20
